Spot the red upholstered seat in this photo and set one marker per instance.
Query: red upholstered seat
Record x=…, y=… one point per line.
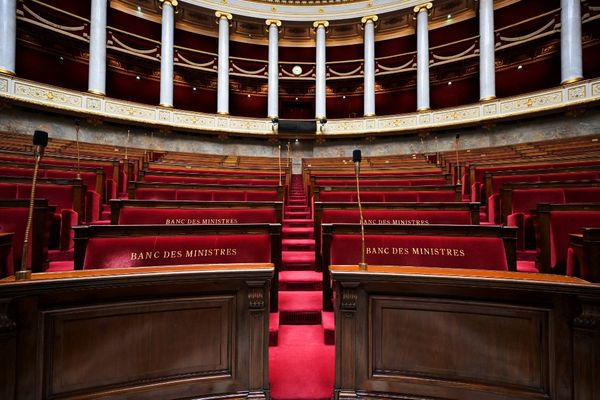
x=426, y=251
x=261, y=196
x=13, y=220
x=176, y=250
x=401, y=196
x=563, y=223
x=229, y=195
x=338, y=197
x=441, y=195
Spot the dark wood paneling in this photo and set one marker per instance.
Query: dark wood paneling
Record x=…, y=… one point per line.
x=430, y=333
x=152, y=333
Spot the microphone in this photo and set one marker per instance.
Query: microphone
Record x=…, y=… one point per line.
x=357, y=158
x=40, y=141
x=78, y=155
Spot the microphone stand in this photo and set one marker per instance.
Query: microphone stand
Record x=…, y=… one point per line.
x=24, y=273
x=78, y=155
x=279, y=161
x=458, y=182
x=362, y=265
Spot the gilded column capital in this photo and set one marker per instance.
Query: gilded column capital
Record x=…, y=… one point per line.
x=275, y=22
x=369, y=18
x=423, y=7
x=172, y=3
x=223, y=14
x=324, y=24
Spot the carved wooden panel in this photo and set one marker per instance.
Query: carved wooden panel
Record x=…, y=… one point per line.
x=489, y=344
x=182, y=338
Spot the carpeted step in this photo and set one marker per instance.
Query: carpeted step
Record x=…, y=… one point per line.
x=526, y=255
x=300, y=307
x=298, y=222
x=297, y=260
x=298, y=245
x=297, y=233
x=58, y=255
x=301, y=367
x=297, y=215
x=295, y=208
x=527, y=266
x=56, y=266
x=328, y=322
x=273, y=328
x=300, y=280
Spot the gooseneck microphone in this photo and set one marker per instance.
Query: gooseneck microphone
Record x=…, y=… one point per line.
x=78, y=155
x=40, y=141
x=357, y=158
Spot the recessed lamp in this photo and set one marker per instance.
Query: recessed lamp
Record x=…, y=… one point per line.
x=248, y=96
x=61, y=58
x=297, y=140
x=139, y=8
x=296, y=99
x=194, y=89
x=449, y=83
x=449, y=16
x=344, y=97
x=138, y=77
x=520, y=67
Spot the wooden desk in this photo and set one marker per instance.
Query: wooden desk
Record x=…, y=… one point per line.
x=432, y=333
x=196, y=331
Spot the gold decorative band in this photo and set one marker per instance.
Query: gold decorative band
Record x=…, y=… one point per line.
x=369, y=115
x=6, y=72
x=223, y=112
x=173, y=3
x=572, y=80
x=372, y=18
x=487, y=98
x=324, y=24
x=96, y=92
x=166, y=105
x=423, y=109
x=222, y=14
x=275, y=22
x=423, y=7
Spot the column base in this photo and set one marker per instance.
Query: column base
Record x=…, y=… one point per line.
x=6, y=72
x=423, y=109
x=572, y=80
x=487, y=98
x=223, y=112
x=165, y=105
x=96, y=92
x=370, y=115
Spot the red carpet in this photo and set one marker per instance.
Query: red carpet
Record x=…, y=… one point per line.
x=301, y=366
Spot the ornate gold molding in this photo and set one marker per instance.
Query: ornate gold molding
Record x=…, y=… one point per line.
x=425, y=6
x=6, y=72
x=572, y=80
x=324, y=24
x=96, y=92
x=173, y=3
x=222, y=14
x=487, y=98
x=372, y=18
x=275, y=22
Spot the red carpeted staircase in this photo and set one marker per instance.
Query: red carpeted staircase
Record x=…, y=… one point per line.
x=301, y=356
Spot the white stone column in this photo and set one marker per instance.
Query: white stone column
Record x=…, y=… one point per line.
x=97, y=66
x=571, y=65
x=320, y=73
x=422, y=12
x=487, y=66
x=369, y=65
x=166, y=52
x=273, y=94
x=8, y=36
x=223, y=19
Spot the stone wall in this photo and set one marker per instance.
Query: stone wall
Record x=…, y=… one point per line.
x=558, y=126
